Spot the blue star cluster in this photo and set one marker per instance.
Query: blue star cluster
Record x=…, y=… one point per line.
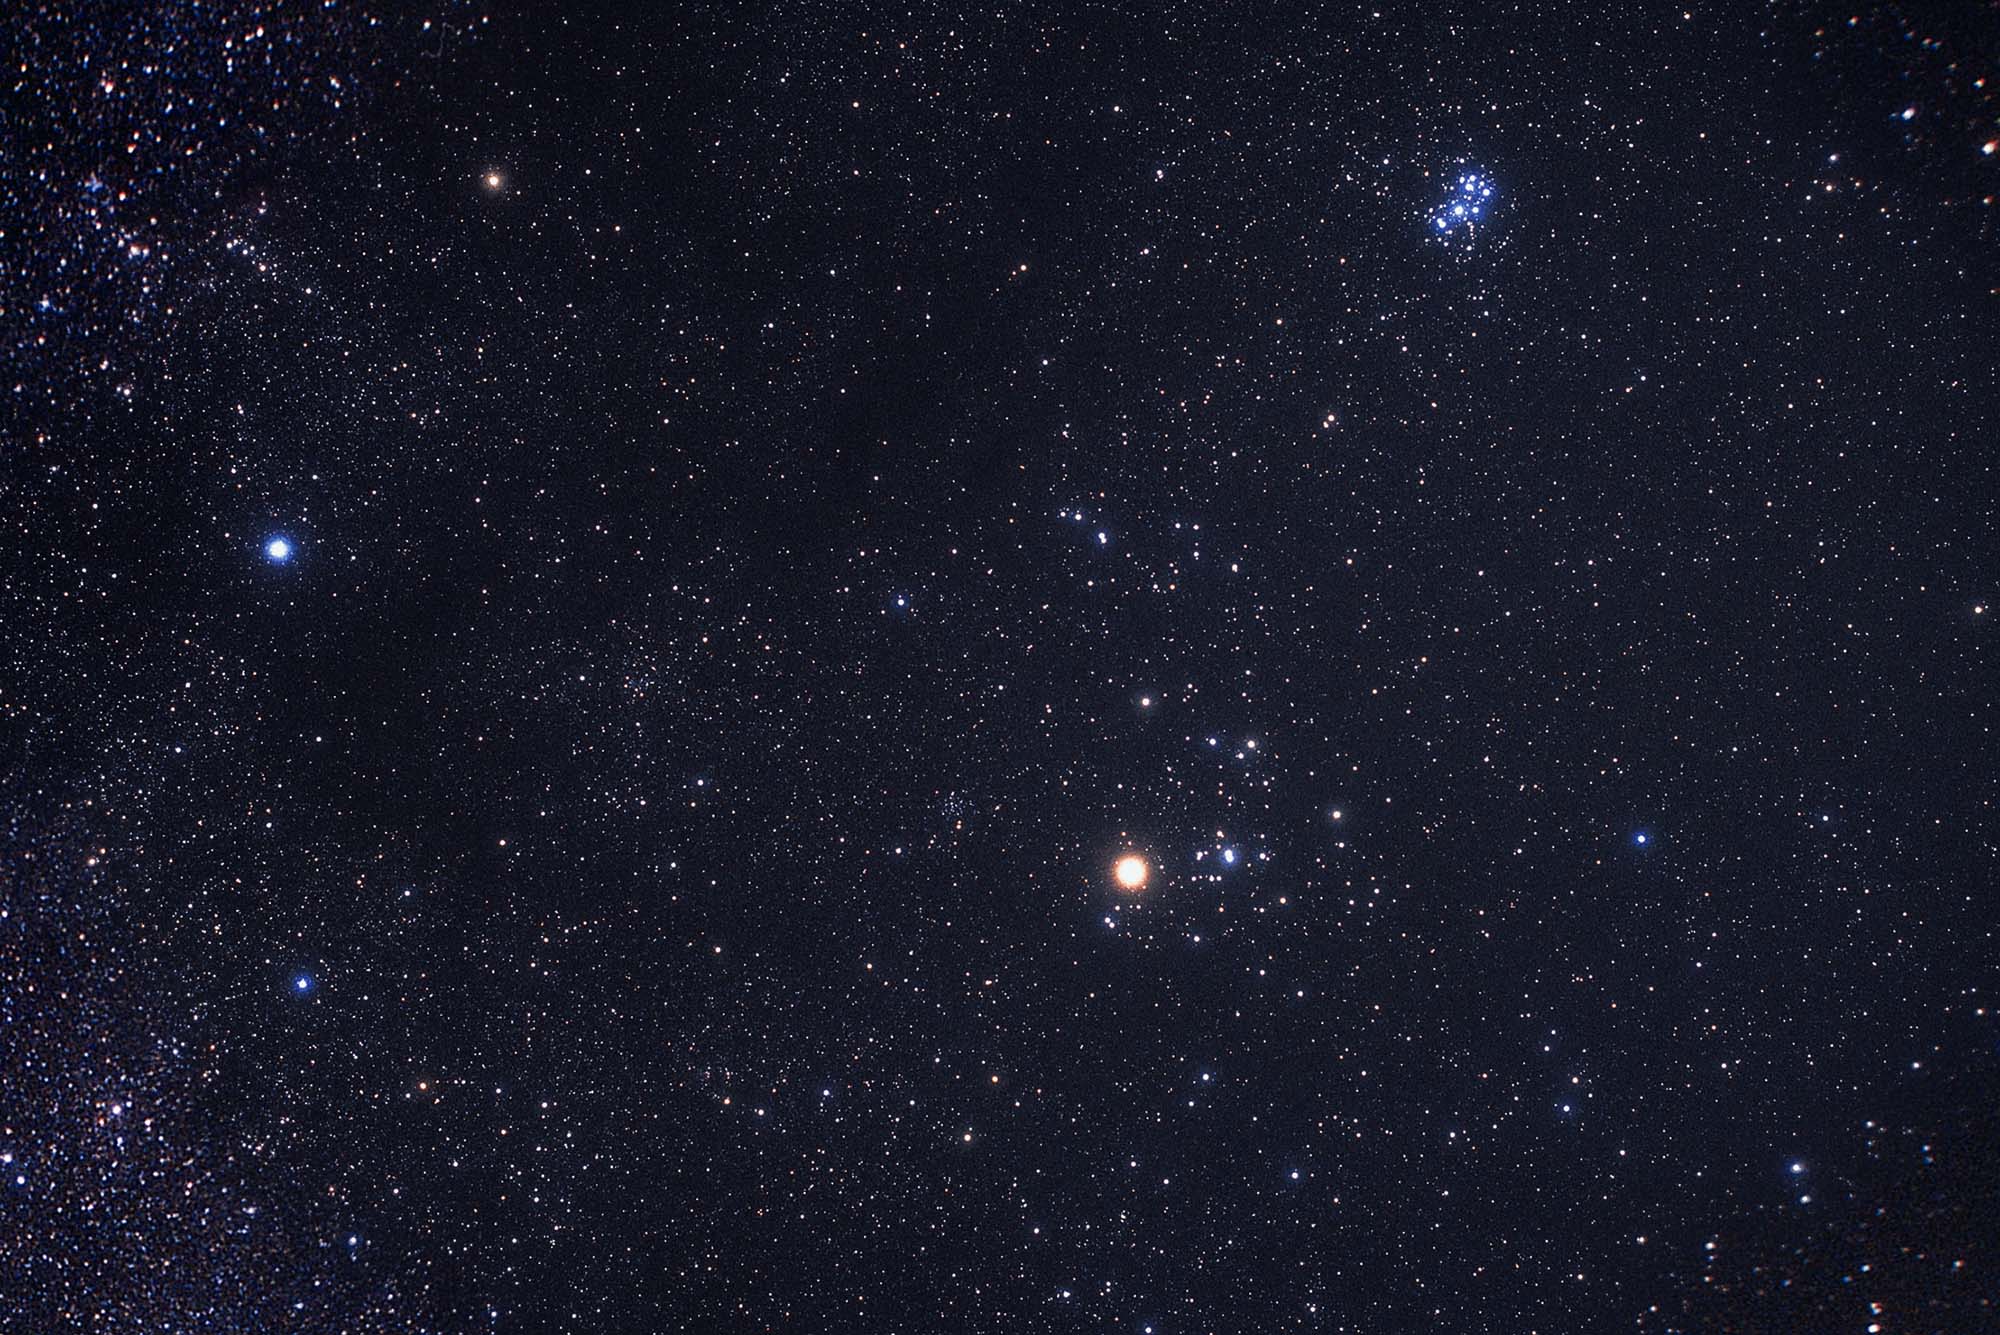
x=1462, y=211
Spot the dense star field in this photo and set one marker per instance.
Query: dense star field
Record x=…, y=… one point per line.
x=1171, y=670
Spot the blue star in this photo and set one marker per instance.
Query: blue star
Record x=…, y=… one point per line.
x=1641, y=838
x=279, y=550
x=302, y=984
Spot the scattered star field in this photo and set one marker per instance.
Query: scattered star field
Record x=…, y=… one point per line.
x=1168, y=670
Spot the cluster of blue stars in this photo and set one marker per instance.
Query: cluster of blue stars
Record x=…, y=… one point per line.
x=1470, y=197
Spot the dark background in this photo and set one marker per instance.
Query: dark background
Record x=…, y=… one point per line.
x=858, y=473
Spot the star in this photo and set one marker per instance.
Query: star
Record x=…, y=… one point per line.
x=302, y=984
x=1131, y=872
x=279, y=550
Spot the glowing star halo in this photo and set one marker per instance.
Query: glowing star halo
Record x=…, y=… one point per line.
x=1131, y=872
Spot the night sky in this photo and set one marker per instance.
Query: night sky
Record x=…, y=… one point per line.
x=1165, y=670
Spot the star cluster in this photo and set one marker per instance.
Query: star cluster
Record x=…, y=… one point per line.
x=1464, y=208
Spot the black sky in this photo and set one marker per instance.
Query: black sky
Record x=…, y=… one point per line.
x=777, y=502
